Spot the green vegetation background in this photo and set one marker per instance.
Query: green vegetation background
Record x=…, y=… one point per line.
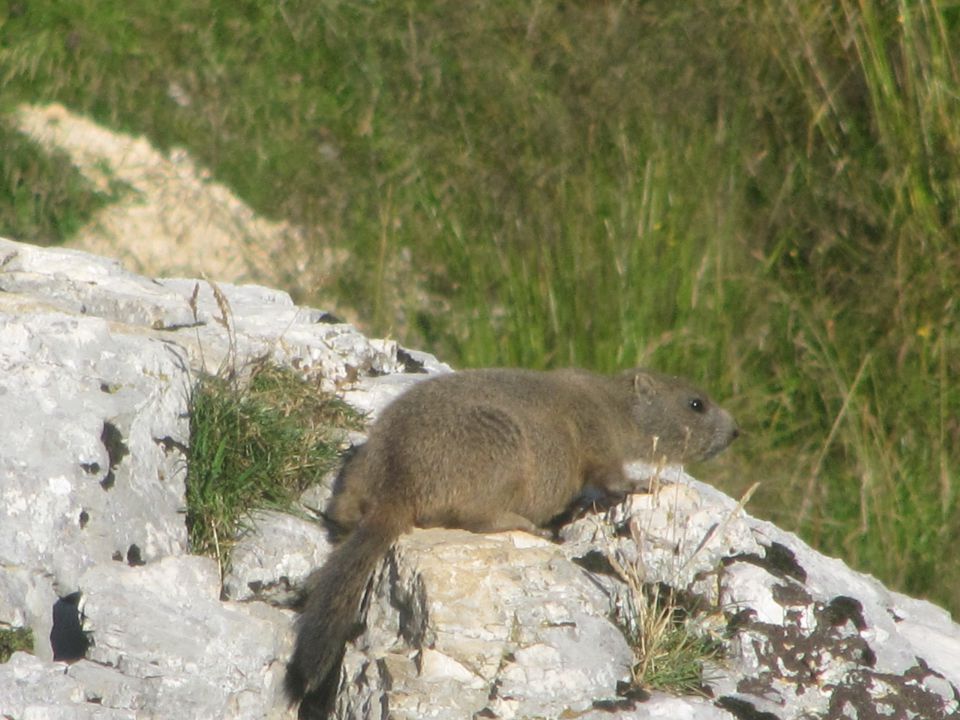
x=760, y=195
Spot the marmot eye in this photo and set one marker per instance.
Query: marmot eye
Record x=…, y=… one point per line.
x=696, y=404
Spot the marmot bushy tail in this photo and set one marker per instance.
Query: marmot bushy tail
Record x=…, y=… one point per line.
x=333, y=594
x=487, y=450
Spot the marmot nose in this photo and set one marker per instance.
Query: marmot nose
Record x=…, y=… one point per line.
x=736, y=432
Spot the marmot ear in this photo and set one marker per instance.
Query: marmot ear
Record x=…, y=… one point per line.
x=643, y=385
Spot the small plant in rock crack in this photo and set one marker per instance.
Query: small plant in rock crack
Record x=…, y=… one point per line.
x=13, y=640
x=672, y=645
x=672, y=636
x=259, y=437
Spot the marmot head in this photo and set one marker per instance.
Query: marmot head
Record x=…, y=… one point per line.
x=678, y=422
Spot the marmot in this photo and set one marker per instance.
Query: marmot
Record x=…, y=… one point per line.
x=487, y=450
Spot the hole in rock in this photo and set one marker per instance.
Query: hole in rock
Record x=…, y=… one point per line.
x=169, y=445
x=330, y=319
x=134, y=557
x=67, y=638
x=116, y=447
x=596, y=562
x=743, y=710
x=410, y=363
x=778, y=560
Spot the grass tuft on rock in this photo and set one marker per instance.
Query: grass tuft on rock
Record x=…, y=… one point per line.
x=256, y=443
x=672, y=645
x=675, y=635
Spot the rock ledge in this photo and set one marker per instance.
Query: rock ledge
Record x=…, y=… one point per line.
x=96, y=366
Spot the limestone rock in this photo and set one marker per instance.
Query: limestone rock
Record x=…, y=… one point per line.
x=809, y=636
x=463, y=623
x=96, y=366
x=101, y=289
x=93, y=428
x=254, y=322
x=37, y=689
x=273, y=556
x=510, y=626
x=195, y=656
x=96, y=369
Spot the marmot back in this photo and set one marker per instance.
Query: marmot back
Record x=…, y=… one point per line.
x=488, y=450
x=464, y=446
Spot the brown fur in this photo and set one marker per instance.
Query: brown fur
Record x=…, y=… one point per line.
x=487, y=450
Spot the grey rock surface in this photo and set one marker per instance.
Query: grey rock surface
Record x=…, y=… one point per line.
x=96, y=366
x=91, y=450
x=809, y=637
x=96, y=369
x=463, y=623
x=806, y=637
x=178, y=648
x=273, y=556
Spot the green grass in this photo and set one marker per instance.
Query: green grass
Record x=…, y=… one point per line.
x=672, y=654
x=258, y=443
x=42, y=196
x=761, y=196
x=13, y=640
